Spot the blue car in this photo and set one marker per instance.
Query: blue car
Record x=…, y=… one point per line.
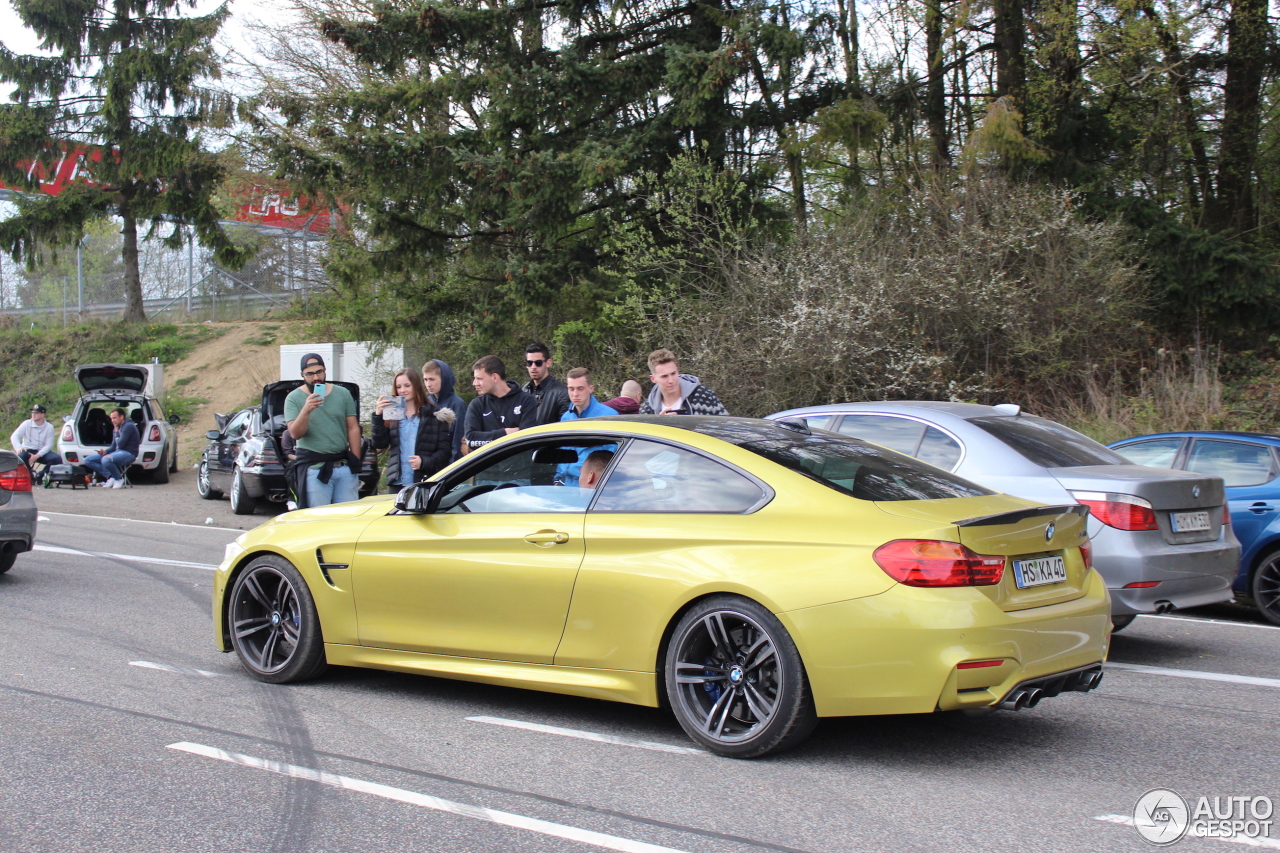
x=1249, y=465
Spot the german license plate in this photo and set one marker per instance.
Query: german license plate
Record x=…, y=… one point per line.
x=1040, y=571
x=1188, y=522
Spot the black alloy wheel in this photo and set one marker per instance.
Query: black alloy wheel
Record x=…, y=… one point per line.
x=274, y=626
x=1266, y=587
x=203, y=486
x=735, y=680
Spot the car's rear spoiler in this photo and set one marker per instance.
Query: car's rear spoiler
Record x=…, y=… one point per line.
x=1022, y=514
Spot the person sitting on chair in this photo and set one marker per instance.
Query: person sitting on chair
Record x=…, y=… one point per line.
x=33, y=440
x=111, y=463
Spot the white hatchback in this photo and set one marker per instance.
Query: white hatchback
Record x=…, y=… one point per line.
x=88, y=428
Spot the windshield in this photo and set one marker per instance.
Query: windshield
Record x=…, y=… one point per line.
x=861, y=470
x=1048, y=444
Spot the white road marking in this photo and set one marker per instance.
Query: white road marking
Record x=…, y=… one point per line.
x=181, y=670
x=1210, y=621
x=1270, y=843
x=54, y=549
x=42, y=518
x=543, y=827
x=144, y=521
x=1191, y=673
x=619, y=741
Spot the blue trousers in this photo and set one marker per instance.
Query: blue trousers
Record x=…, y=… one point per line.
x=111, y=466
x=50, y=458
x=343, y=486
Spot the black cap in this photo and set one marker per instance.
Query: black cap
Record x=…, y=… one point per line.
x=310, y=357
x=38, y=408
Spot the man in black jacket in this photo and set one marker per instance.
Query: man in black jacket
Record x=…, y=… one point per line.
x=552, y=396
x=500, y=407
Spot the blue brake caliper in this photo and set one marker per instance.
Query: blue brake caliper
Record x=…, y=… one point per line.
x=713, y=689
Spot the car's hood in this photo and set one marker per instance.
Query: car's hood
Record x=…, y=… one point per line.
x=1163, y=487
x=111, y=377
x=337, y=512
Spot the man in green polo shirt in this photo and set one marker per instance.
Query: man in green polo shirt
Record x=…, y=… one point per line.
x=324, y=422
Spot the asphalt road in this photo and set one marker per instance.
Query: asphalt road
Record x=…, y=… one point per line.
x=122, y=729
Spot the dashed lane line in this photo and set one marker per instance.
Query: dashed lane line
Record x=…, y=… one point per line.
x=183, y=564
x=529, y=824
x=594, y=736
x=1191, y=673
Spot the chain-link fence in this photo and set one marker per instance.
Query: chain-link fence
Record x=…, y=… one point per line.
x=177, y=284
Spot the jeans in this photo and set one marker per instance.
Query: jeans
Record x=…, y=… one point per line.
x=30, y=458
x=111, y=466
x=342, y=486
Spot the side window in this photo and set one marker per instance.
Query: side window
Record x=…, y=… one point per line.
x=654, y=477
x=897, y=434
x=235, y=427
x=939, y=449
x=1157, y=453
x=157, y=414
x=523, y=481
x=818, y=421
x=1237, y=463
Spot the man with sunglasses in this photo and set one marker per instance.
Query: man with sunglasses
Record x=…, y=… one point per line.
x=552, y=396
x=322, y=417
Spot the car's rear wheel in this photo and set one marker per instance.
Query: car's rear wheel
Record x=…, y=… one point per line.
x=1119, y=623
x=173, y=460
x=242, y=503
x=1266, y=587
x=160, y=473
x=203, y=486
x=735, y=679
x=274, y=626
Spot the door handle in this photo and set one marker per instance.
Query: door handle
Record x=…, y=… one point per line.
x=1261, y=507
x=547, y=538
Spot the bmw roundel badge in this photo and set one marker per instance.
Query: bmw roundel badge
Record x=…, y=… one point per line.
x=1048, y=532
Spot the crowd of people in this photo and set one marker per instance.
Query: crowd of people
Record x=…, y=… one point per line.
x=424, y=425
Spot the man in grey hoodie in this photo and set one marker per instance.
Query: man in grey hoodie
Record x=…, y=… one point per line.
x=676, y=393
x=438, y=377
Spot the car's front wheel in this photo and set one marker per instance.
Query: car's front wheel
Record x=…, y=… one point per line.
x=242, y=503
x=203, y=486
x=274, y=626
x=1266, y=587
x=735, y=679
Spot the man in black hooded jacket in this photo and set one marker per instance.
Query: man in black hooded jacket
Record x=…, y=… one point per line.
x=438, y=377
x=500, y=408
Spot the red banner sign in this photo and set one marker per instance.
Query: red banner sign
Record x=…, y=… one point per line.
x=266, y=206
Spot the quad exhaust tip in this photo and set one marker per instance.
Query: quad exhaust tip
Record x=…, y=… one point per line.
x=1029, y=695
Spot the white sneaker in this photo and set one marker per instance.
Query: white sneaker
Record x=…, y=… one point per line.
x=116, y=484
x=106, y=484
x=290, y=506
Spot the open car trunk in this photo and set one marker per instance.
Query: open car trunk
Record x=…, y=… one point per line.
x=93, y=426
x=96, y=378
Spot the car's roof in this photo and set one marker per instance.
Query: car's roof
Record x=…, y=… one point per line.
x=734, y=430
x=1262, y=437
x=960, y=410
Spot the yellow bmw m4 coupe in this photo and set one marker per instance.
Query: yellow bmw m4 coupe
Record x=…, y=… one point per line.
x=752, y=575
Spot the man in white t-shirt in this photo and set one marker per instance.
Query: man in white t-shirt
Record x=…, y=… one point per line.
x=33, y=439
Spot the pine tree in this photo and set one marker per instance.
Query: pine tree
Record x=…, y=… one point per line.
x=127, y=78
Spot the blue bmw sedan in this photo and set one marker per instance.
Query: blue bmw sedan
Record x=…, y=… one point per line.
x=1249, y=465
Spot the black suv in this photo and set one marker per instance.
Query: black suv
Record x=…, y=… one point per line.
x=244, y=459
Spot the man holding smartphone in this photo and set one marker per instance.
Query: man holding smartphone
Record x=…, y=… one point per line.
x=322, y=417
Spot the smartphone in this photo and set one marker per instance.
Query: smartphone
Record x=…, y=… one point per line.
x=319, y=389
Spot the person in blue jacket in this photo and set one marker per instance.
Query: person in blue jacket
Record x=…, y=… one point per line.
x=582, y=404
x=438, y=377
x=112, y=462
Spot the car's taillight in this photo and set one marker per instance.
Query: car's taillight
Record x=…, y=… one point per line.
x=1226, y=514
x=265, y=456
x=928, y=562
x=17, y=480
x=67, y=434
x=1123, y=512
x=154, y=435
x=1086, y=554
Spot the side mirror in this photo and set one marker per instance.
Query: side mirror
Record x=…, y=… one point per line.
x=175, y=419
x=213, y=435
x=418, y=499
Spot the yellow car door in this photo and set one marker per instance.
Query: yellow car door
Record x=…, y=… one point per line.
x=489, y=575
